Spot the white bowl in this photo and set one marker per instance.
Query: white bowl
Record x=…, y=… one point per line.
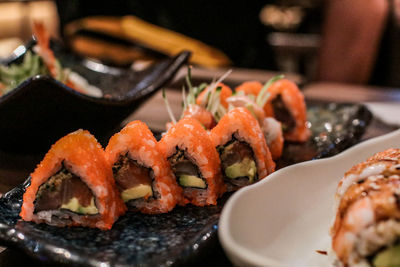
x=283, y=219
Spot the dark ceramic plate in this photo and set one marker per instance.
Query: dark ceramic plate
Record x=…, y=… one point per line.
x=41, y=110
x=179, y=237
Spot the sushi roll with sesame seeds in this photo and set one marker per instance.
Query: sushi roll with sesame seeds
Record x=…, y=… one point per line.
x=143, y=176
x=243, y=151
x=366, y=231
x=73, y=186
x=194, y=161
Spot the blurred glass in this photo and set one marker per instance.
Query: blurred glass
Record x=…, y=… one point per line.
x=16, y=22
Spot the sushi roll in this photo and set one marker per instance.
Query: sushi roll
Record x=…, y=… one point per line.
x=225, y=92
x=240, y=100
x=271, y=128
x=249, y=88
x=202, y=102
x=273, y=134
x=73, y=186
x=199, y=113
x=245, y=157
x=142, y=174
x=286, y=104
x=373, y=166
x=366, y=231
x=194, y=161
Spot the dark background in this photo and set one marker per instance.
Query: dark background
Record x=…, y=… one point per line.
x=231, y=26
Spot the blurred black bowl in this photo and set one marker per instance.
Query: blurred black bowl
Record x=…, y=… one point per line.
x=41, y=110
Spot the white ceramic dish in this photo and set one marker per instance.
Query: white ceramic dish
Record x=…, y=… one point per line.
x=284, y=219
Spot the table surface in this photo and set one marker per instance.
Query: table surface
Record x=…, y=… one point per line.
x=14, y=168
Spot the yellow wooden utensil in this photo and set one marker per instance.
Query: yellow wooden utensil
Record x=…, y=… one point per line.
x=171, y=43
x=139, y=33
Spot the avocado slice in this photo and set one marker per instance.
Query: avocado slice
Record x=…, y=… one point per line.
x=74, y=205
x=135, y=192
x=191, y=181
x=389, y=257
x=245, y=168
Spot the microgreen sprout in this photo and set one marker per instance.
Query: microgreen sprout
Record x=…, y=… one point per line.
x=213, y=85
x=170, y=113
x=263, y=96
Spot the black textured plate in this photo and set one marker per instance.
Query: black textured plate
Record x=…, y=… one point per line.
x=178, y=237
x=41, y=110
